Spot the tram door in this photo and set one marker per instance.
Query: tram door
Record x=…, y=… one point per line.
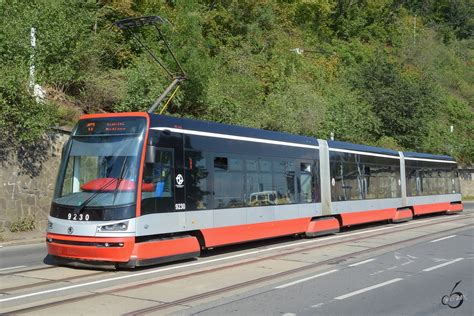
x=163, y=188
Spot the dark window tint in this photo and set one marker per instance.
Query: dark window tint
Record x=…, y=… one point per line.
x=197, y=194
x=157, y=186
x=251, y=165
x=228, y=183
x=220, y=163
x=259, y=183
x=284, y=181
x=306, y=183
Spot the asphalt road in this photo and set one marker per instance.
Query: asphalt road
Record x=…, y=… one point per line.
x=24, y=255
x=409, y=281
x=371, y=269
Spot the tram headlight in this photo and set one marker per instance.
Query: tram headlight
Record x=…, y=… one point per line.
x=117, y=227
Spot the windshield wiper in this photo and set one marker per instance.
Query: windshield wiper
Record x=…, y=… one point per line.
x=120, y=178
x=93, y=195
x=90, y=198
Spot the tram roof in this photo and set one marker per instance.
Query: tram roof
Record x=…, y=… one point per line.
x=356, y=147
x=157, y=120
x=410, y=154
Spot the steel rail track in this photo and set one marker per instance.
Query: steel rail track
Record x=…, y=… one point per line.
x=46, y=282
x=26, y=270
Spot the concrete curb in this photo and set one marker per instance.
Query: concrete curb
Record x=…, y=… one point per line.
x=22, y=242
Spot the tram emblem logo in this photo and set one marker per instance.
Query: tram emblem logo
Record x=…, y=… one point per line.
x=453, y=299
x=70, y=230
x=179, y=180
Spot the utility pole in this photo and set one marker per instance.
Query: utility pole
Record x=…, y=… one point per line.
x=32, y=59
x=37, y=91
x=414, y=30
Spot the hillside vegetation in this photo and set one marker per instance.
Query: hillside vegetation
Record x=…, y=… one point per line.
x=368, y=71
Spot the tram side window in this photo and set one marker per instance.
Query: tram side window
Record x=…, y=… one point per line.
x=157, y=186
x=430, y=178
x=433, y=181
x=262, y=185
x=380, y=177
x=305, y=183
x=413, y=182
x=453, y=181
x=357, y=177
x=197, y=193
x=228, y=182
x=284, y=181
x=344, y=181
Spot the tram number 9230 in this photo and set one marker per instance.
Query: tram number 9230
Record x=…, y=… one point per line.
x=78, y=217
x=180, y=206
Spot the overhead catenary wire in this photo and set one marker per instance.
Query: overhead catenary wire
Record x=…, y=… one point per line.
x=128, y=25
x=150, y=53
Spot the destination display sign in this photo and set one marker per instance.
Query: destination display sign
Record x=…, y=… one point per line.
x=111, y=126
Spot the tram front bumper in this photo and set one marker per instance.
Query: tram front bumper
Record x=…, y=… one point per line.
x=112, y=249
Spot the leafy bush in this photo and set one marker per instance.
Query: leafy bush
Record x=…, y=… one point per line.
x=361, y=75
x=22, y=119
x=23, y=224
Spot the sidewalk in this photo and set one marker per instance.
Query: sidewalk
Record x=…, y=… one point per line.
x=21, y=238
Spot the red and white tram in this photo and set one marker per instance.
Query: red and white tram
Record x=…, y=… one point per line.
x=138, y=188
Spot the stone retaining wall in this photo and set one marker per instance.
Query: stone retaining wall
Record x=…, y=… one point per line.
x=27, y=179
x=467, y=182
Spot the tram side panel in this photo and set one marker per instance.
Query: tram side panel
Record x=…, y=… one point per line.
x=432, y=186
x=258, y=189
x=236, y=190
x=365, y=186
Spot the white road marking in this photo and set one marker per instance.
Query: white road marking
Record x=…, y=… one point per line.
x=377, y=272
x=439, y=239
x=366, y=289
x=317, y=305
x=442, y=265
x=175, y=267
x=289, y=314
x=10, y=268
x=439, y=259
x=362, y=262
x=305, y=279
x=407, y=263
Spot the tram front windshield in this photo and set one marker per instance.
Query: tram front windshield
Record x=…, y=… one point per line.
x=100, y=166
